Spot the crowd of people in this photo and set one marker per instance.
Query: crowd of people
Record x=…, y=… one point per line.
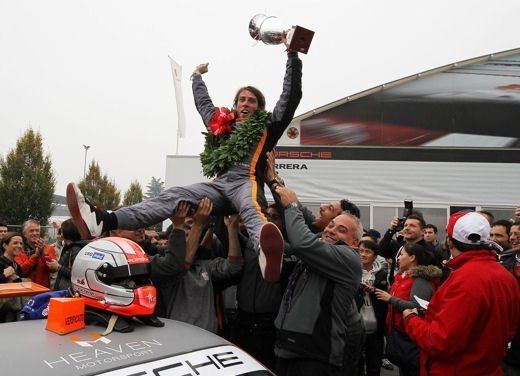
x=343, y=291
x=305, y=294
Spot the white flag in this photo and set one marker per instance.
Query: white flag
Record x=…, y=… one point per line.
x=177, y=74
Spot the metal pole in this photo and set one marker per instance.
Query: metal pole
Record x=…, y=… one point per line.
x=85, y=164
x=178, y=134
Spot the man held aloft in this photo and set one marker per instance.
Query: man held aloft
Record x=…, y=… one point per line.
x=234, y=155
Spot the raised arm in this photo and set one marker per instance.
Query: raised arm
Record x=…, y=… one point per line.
x=200, y=220
x=221, y=268
x=291, y=94
x=167, y=266
x=201, y=96
x=337, y=262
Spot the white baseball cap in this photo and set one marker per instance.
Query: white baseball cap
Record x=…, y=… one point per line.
x=468, y=227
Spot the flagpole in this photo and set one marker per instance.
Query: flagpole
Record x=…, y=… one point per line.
x=178, y=134
x=181, y=121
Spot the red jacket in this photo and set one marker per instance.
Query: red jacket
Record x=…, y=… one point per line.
x=470, y=319
x=401, y=289
x=35, y=267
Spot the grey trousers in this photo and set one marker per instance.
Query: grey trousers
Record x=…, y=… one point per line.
x=231, y=193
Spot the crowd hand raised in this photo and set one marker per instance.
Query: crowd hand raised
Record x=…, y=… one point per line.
x=201, y=68
x=179, y=216
x=203, y=212
x=232, y=221
x=287, y=196
x=517, y=212
x=394, y=222
x=39, y=244
x=270, y=168
x=382, y=295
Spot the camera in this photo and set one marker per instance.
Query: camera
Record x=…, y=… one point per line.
x=408, y=208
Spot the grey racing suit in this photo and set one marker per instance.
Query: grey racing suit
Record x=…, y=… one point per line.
x=240, y=189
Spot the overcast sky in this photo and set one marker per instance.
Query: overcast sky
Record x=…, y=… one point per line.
x=96, y=72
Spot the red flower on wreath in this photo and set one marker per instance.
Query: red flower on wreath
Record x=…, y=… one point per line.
x=221, y=123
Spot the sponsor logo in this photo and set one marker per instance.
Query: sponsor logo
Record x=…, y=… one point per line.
x=74, y=319
x=98, y=256
x=89, y=293
x=296, y=154
x=291, y=166
x=96, y=337
x=293, y=133
x=99, y=350
x=222, y=360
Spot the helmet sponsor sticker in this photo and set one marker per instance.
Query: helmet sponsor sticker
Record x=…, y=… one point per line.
x=98, y=256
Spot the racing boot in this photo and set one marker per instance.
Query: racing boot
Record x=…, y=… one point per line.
x=90, y=220
x=271, y=252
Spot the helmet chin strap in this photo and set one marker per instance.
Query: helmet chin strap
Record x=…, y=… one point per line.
x=111, y=324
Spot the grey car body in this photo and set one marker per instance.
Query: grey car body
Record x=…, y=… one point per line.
x=176, y=349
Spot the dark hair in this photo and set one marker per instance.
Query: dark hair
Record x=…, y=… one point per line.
x=7, y=238
x=417, y=217
x=369, y=244
x=350, y=207
x=485, y=212
x=374, y=234
x=422, y=255
x=163, y=235
x=2, y=223
x=257, y=93
x=433, y=227
x=516, y=222
x=504, y=223
x=70, y=231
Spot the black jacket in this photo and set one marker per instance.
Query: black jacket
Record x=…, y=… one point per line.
x=166, y=271
x=67, y=257
x=4, y=264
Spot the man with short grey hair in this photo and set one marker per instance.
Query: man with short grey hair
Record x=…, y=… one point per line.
x=37, y=259
x=319, y=329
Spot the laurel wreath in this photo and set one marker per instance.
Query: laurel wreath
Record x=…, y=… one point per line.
x=221, y=152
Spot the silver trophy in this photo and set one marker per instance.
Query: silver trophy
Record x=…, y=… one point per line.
x=269, y=30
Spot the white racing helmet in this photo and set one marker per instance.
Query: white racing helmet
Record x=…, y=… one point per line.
x=113, y=274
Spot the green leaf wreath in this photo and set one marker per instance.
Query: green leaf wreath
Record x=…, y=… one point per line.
x=221, y=152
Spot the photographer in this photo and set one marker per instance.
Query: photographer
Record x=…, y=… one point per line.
x=412, y=233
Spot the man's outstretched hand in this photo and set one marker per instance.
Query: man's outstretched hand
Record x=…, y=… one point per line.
x=179, y=216
x=203, y=212
x=201, y=68
x=287, y=196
